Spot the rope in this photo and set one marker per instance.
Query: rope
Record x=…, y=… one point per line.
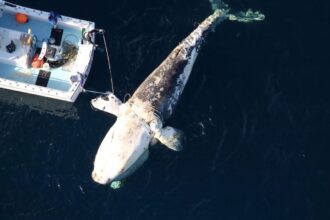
x=101, y=31
x=108, y=59
x=95, y=92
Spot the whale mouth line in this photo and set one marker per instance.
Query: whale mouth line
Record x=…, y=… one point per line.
x=93, y=108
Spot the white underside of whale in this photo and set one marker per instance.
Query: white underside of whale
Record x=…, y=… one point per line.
x=123, y=149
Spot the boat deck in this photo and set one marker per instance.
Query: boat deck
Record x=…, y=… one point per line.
x=60, y=77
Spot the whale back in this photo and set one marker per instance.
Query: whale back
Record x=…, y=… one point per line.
x=160, y=91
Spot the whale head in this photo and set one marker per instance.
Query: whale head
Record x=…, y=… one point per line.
x=108, y=103
x=122, y=150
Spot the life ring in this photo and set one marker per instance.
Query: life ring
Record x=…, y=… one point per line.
x=22, y=18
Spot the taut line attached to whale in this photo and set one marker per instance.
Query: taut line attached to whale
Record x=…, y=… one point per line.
x=140, y=120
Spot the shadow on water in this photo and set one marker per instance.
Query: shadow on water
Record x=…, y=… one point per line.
x=39, y=104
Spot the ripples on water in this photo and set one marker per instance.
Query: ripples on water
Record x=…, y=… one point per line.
x=255, y=112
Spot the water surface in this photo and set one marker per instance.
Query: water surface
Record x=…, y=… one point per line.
x=256, y=112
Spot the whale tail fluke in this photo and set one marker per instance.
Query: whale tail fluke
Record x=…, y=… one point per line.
x=245, y=17
x=172, y=138
x=221, y=12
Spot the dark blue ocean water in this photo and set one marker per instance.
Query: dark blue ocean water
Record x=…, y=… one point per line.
x=256, y=113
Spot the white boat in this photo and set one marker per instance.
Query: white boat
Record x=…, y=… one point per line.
x=43, y=53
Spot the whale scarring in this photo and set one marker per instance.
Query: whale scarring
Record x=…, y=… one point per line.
x=163, y=87
x=140, y=120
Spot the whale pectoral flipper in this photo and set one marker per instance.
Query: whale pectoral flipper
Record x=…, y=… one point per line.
x=108, y=103
x=171, y=138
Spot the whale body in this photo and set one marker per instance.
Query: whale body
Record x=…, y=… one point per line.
x=140, y=120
